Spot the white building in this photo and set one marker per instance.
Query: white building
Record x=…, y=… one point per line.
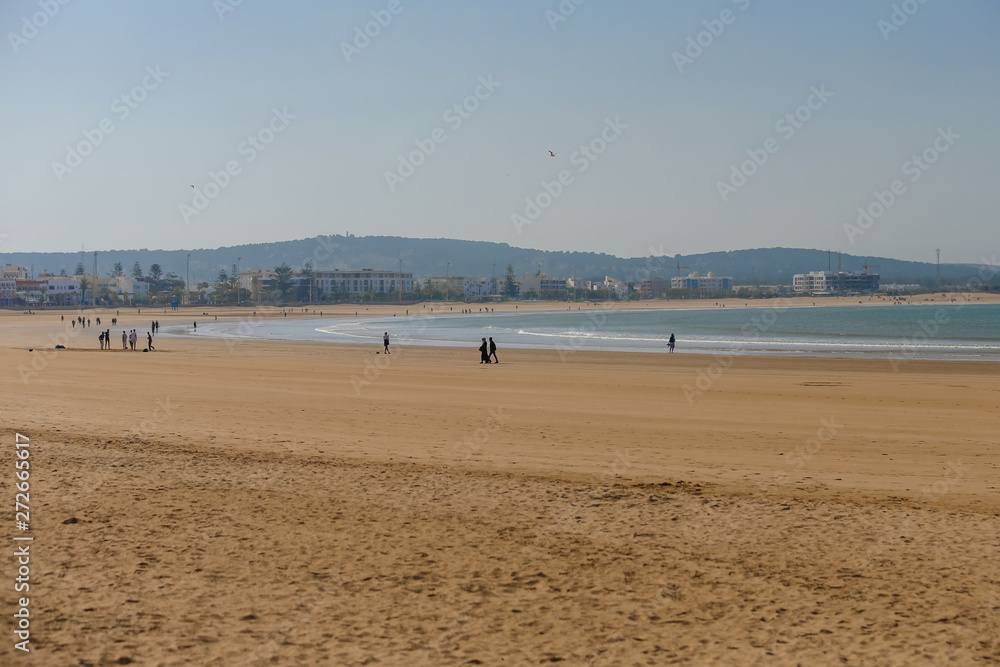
x=619, y=287
x=15, y=272
x=828, y=282
x=814, y=281
x=477, y=287
x=68, y=286
x=341, y=283
x=709, y=282
x=8, y=288
x=540, y=282
x=363, y=281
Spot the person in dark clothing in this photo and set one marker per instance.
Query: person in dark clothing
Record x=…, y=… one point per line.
x=385, y=341
x=149, y=341
x=484, y=353
x=493, y=350
x=670, y=343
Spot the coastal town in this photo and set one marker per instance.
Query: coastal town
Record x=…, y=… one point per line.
x=20, y=286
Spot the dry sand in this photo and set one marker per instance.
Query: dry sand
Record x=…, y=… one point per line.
x=258, y=503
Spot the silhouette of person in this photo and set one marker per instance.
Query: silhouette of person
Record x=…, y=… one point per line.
x=670, y=343
x=385, y=341
x=149, y=341
x=484, y=353
x=493, y=350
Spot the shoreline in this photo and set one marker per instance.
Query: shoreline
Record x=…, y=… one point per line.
x=38, y=330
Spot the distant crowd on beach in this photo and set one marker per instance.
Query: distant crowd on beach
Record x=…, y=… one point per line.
x=129, y=338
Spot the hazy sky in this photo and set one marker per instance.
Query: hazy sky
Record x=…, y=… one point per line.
x=709, y=125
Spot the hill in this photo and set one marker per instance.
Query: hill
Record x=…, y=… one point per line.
x=438, y=257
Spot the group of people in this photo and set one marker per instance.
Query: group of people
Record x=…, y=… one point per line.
x=129, y=339
x=488, y=352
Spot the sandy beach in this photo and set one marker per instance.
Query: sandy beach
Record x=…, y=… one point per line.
x=274, y=503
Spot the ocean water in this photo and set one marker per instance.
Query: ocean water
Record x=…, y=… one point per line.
x=951, y=330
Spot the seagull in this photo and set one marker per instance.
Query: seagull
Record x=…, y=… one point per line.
x=551, y=154
x=193, y=186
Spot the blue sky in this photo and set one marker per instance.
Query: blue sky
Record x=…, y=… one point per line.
x=667, y=171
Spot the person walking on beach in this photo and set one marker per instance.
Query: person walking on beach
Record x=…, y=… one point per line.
x=149, y=341
x=107, y=339
x=670, y=343
x=101, y=339
x=484, y=353
x=132, y=337
x=385, y=341
x=493, y=350
x=124, y=340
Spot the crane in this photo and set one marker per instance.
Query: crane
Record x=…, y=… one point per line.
x=867, y=266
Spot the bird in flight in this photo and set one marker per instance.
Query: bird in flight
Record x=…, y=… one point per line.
x=551, y=154
x=192, y=186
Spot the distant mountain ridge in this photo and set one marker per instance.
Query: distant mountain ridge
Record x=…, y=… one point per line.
x=439, y=257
